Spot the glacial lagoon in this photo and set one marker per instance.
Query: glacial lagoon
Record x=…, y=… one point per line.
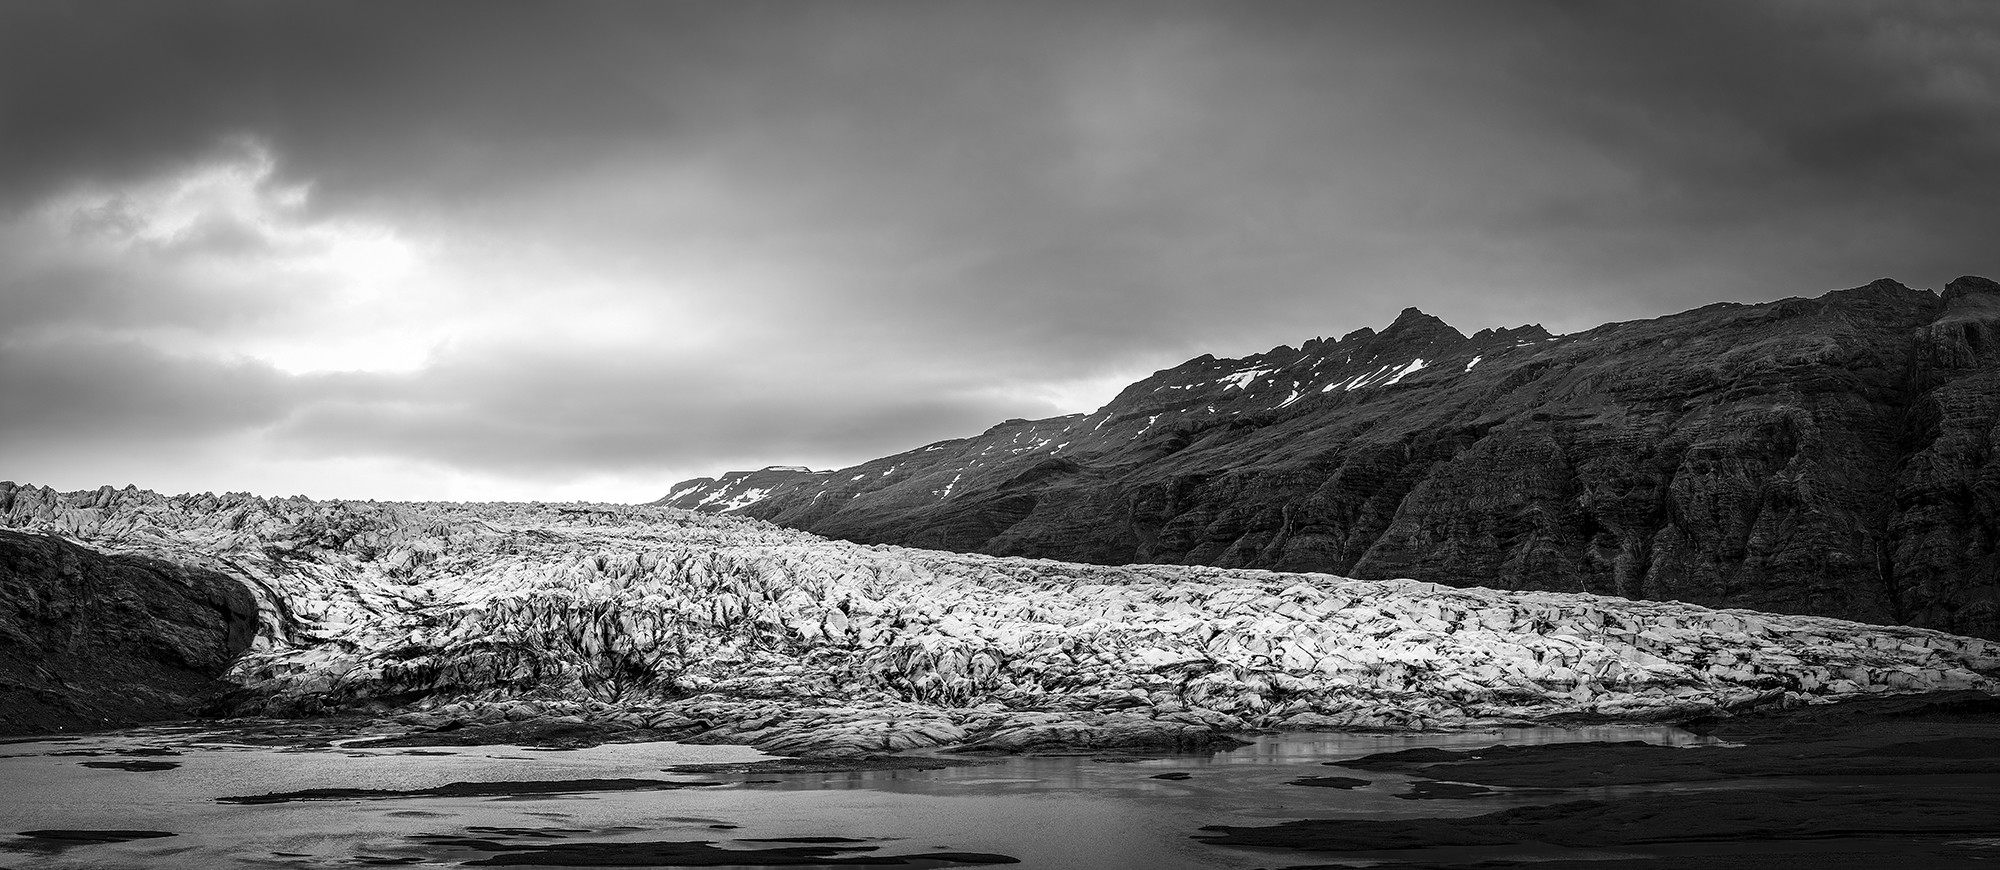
x=1053, y=812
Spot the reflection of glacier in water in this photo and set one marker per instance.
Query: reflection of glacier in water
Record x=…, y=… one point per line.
x=1048, y=811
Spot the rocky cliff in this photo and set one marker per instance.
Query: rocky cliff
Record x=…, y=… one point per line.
x=1830, y=456
x=90, y=641
x=724, y=629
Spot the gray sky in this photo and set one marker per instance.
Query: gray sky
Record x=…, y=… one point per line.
x=584, y=250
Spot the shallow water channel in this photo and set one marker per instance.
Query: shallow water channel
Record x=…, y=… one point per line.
x=1049, y=812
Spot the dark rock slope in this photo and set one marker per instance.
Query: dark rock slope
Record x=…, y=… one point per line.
x=1830, y=456
x=94, y=641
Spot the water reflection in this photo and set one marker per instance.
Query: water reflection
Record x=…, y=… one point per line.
x=1050, y=811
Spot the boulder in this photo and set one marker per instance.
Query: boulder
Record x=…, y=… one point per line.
x=90, y=641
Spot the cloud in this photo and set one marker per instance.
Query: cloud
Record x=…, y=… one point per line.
x=530, y=413
x=117, y=392
x=283, y=342
x=1804, y=143
x=216, y=259
x=555, y=246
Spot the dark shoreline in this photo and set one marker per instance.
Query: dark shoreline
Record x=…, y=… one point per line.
x=1912, y=780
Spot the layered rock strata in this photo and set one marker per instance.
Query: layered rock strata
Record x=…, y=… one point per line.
x=1832, y=456
x=722, y=629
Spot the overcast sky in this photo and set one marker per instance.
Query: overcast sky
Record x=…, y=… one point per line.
x=585, y=250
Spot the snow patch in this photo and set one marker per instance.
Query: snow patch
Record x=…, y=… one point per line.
x=1241, y=380
x=1475, y=361
x=1416, y=365
x=1358, y=381
x=745, y=499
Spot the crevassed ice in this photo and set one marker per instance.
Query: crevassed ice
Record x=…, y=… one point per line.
x=655, y=609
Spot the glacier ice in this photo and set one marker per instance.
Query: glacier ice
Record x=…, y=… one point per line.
x=732, y=630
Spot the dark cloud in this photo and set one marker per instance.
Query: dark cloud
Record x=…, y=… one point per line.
x=126, y=89
x=1799, y=147
x=821, y=232
x=119, y=394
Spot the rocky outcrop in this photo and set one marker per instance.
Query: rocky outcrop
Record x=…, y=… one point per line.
x=711, y=628
x=1829, y=456
x=89, y=641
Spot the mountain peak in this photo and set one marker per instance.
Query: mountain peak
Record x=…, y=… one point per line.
x=1966, y=285
x=1503, y=460
x=1881, y=291
x=1413, y=326
x=1524, y=332
x=1412, y=314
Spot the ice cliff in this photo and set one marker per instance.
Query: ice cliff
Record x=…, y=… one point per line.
x=726, y=629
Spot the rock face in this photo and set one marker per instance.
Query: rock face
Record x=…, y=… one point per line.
x=722, y=629
x=1830, y=456
x=91, y=641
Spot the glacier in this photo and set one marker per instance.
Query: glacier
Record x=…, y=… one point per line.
x=722, y=629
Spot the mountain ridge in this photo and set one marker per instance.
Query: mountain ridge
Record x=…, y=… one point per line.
x=1828, y=455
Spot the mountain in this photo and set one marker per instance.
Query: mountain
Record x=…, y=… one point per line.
x=1830, y=456
x=736, y=490
x=464, y=621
